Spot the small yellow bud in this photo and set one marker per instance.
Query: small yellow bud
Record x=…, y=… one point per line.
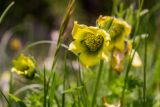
x=24, y=65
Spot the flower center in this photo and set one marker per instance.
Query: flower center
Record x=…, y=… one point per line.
x=93, y=42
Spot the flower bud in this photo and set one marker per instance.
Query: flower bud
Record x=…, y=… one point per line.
x=24, y=65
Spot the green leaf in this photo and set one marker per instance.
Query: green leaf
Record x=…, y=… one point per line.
x=17, y=100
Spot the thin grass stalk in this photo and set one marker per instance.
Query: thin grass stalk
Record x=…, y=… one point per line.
x=57, y=101
x=9, y=101
x=1, y=92
x=10, y=89
x=83, y=91
x=130, y=62
x=127, y=72
x=51, y=91
x=72, y=94
x=93, y=103
x=64, y=79
x=84, y=94
x=27, y=87
x=144, y=72
x=45, y=93
x=60, y=40
x=138, y=16
x=110, y=73
x=62, y=30
x=42, y=42
x=114, y=9
x=79, y=83
x=125, y=80
x=6, y=10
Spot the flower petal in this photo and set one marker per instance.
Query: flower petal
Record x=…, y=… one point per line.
x=76, y=47
x=24, y=65
x=88, y=59
x=78, y=30
x=104, y=22
x=105, y=53
x=105, y=35
x=117, y=60
x=120, y=44
x=119, y=27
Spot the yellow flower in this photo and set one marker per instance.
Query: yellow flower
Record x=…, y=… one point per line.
x=104, y=22
x=90, y=43
x=120, y=45
x=24, y=65
x=117, y=28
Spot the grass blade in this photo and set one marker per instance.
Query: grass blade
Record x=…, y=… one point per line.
x=62, y=30
x=17, y=100
x=64, y=79
x=127, y=73
x=144, y=72
x=83, y=91
x=5, y=11
x=51, y=91
x=1, y=92
x=45, y=86
x=93, y=103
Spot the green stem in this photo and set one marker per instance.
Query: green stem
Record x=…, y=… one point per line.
x=83, y=91
x=130, y=62
x=144, y=74
x=125, y=82
x=97, y=84
x=62, y=30
x=42, y=42
x=45, y=94
x=138, y=17
x=127, y=72
x=5, y=11
x=1, y=92
x=57, y=101
x=64, y=78
x=10, y=89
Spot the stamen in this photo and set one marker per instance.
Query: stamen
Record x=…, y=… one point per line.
x=93, y=42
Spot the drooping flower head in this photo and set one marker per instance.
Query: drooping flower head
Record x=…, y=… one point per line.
x=118, y=29
x=24, y=65
x=104, y=22
x=120, y=45
x=90, y=43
